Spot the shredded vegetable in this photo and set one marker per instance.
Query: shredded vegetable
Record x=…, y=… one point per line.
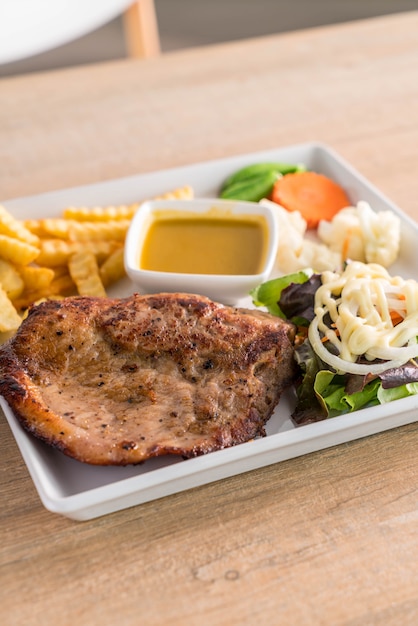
x=365, y=312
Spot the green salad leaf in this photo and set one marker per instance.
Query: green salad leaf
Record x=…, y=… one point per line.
x=396, y=393
x=330, y=389
x=269, y=293
x=322, y=393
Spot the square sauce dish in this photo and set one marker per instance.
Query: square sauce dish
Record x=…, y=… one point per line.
x=216, y=248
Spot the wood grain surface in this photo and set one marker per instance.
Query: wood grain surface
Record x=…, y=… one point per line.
x=330, y=538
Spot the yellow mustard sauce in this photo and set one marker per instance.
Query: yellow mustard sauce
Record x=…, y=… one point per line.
x=208, y=243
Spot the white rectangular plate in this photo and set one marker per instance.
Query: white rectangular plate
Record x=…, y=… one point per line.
x=80, y=491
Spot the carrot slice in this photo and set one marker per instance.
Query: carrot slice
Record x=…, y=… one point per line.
x=314, y=195
x=396, y=318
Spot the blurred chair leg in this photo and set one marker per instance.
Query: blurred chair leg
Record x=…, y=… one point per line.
x=141, y=29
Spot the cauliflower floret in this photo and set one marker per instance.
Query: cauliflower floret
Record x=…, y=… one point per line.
x=295, y=251
x=361, y=234
x=290, y=222
x=343, y=234
x=312, y=254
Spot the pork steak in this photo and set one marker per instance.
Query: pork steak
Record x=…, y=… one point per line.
x=118, y=381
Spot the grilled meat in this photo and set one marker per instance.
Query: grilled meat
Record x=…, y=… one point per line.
x=118, y=381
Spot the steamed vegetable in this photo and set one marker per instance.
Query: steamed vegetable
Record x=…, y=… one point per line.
x=254, y=182
x=361, y=234
x=259, y=169
x=251, y=189
x=314, y=195
x=296, y=251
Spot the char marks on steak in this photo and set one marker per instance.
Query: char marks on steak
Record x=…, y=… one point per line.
x=118, y=381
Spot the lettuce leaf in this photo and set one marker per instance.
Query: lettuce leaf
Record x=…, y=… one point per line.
x=269, y=293
x=321, y=393
x=330, y=389
x=395, y=393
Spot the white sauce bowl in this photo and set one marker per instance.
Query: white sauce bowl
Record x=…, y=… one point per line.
x=224, y=288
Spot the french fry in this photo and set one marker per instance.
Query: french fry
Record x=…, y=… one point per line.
x=27, y=298
x=53, y=252
x=6, y=335
x=15, y=228
x=62, y=285
x=56, y=252
x=71, y=230
x=100, y=214
x=9, y=317
x=60, y=270
x=98, y=231
x=181, y=193
x=35, y=227
x=16, y=251
x=113, y=268
x=36, y=278
x=59, y=287
x=10, y=279
x=123, y=211
x=85, y=273
x=56, y=227
x=100, y=249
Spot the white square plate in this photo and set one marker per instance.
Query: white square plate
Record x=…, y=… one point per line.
x=80, y=491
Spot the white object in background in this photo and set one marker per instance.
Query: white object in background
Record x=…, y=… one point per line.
x=30, y=27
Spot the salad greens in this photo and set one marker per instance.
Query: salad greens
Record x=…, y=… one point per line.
x=321, y=392
x=268, y=294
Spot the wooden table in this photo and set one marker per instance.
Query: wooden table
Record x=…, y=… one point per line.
x=329, y=538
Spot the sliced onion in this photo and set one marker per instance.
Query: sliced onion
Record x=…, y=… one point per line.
x=405, y=353
x=341, y=365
